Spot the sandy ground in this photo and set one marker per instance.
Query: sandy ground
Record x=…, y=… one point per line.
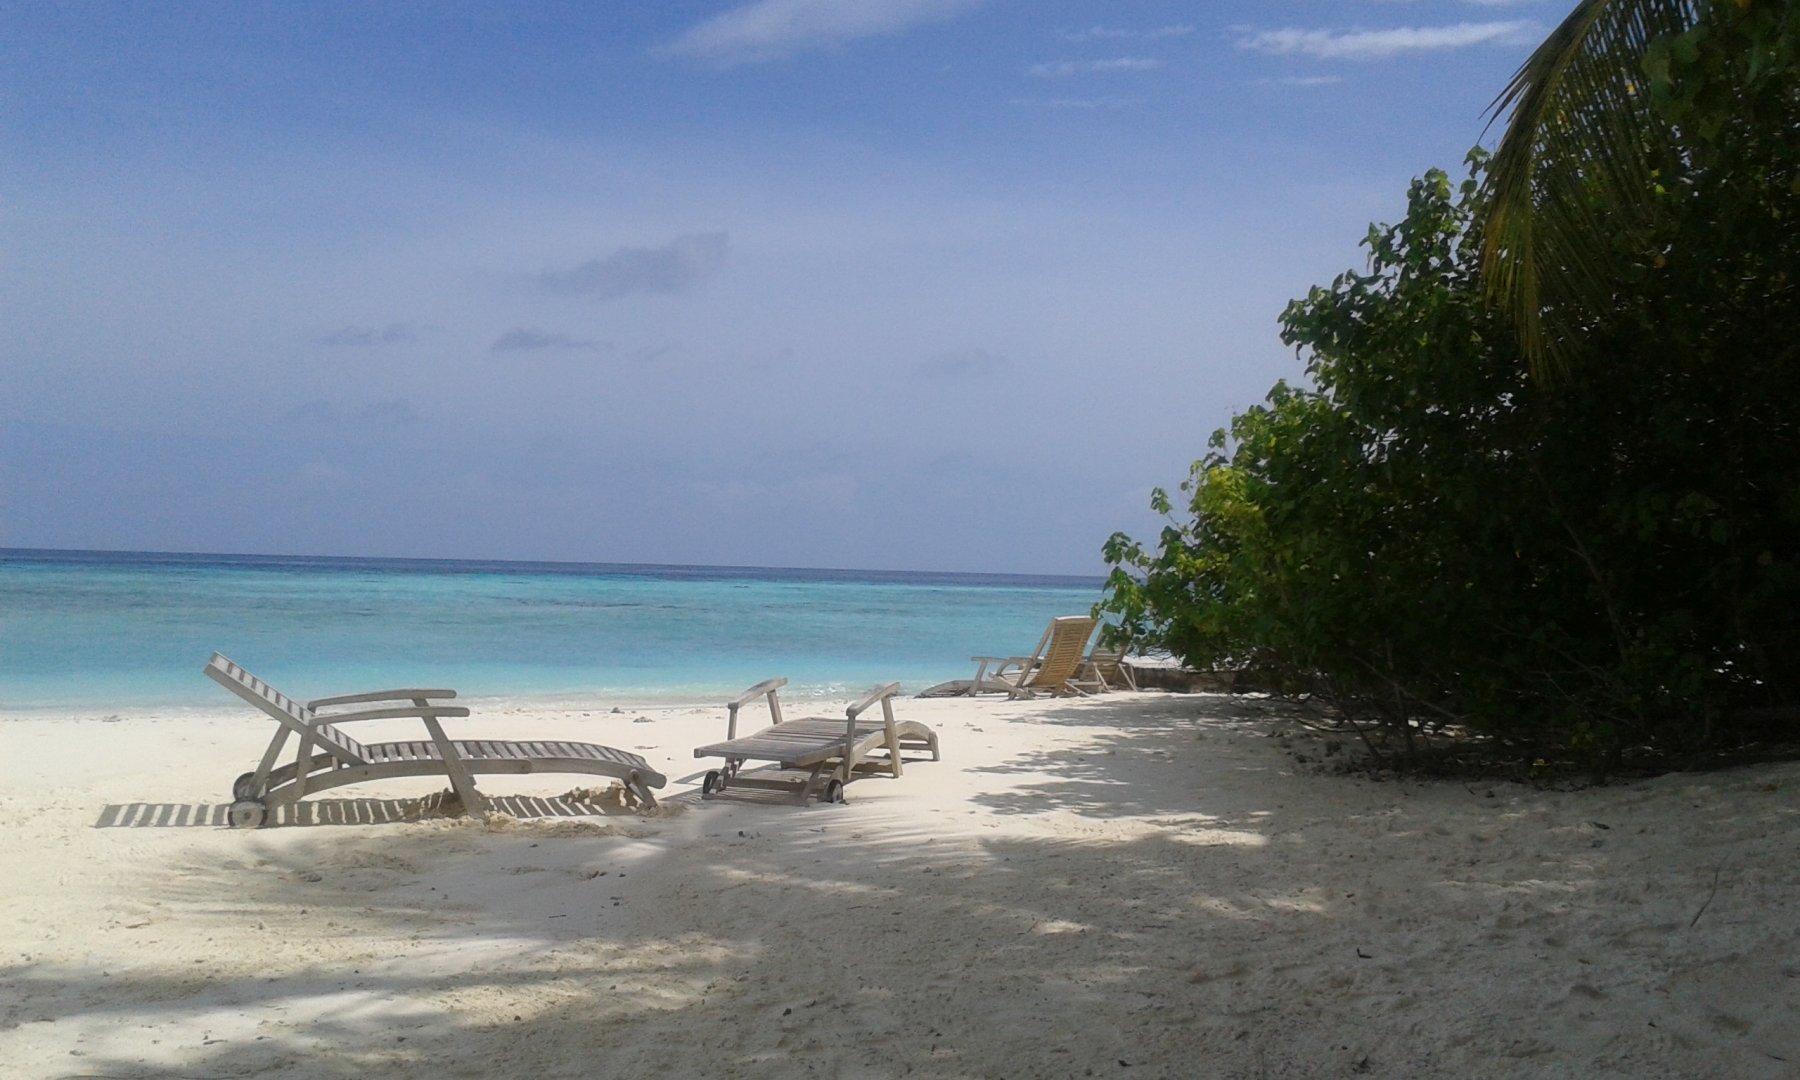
x=1136, y=886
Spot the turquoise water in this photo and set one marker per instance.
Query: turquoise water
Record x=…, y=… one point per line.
x=115, y=629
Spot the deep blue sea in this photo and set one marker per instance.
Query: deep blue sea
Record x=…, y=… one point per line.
x=113, y=630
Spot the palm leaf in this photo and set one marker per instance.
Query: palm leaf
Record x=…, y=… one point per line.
x=1576, y=163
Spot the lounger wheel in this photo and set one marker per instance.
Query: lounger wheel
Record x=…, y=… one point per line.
x=713, y=782
x=248, y=814
x=244, y=787
x=834, y=792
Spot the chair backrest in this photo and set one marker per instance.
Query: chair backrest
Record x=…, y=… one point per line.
x=1105, y=670
x=1106, y=661
x=284, y=710
x=1068, y=645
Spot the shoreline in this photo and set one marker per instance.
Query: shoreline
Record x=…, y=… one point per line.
x=1136, y=878
x=598, y=703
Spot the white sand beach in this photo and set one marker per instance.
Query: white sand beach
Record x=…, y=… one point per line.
x=1137, y=885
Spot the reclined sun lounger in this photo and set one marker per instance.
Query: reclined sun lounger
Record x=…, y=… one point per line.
x=1104, y=669
x=815, y=756
x=1048, y=670
x=328, y=757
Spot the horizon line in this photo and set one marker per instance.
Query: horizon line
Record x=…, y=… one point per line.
x=1083, y=578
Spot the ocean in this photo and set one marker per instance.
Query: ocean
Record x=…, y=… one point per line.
x=118, y=630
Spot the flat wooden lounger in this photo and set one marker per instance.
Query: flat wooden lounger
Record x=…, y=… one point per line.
x=328, y=757
x=815, y=756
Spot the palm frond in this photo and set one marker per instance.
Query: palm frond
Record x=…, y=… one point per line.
x=1576, y=163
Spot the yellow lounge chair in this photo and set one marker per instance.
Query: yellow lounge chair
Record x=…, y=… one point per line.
x=1050, y=669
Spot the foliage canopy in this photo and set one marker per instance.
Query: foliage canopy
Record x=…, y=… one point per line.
x=1426, y=536
x=1625, y=110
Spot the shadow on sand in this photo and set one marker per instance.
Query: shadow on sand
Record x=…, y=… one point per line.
x=146, y=815
x=692, y=946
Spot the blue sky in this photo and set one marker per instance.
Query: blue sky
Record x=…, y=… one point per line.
x=908, y=284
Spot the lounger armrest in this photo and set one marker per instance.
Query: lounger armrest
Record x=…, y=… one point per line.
x=381, y=695
x=414, y=712
x=757, y=691
x=993, y=666
x=874, y=695
x=768, y=689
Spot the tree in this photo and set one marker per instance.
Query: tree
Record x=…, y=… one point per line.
x=1426, y=538
x=1613, y=118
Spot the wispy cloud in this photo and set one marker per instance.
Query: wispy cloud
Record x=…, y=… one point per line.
x=521, y=339
x=1107, y=33
x=362, y=336
x=1382, y=44
x=676, y=267
x=774, y=29
x=1087, y=104
x=1303, y=80
x=1062, y=69
x=965, y=364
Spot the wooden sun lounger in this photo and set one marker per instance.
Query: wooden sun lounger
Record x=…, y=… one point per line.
x=815, y=756
x=1104, y=670
x=328, y=757
x=1051, y=669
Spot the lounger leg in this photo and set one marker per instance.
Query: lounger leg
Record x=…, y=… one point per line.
x=267, y=765
x=460, y=780
x=893, y=737
x=643, y=791
x=303, y=764
x=975, y=684
x=812, y=787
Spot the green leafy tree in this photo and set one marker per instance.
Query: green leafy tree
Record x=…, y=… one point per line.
x=1427, y=539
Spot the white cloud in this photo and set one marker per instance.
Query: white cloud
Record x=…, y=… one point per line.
x=1106, y=33
x=1381, y=44
x=772, y=29
x=1062, y=69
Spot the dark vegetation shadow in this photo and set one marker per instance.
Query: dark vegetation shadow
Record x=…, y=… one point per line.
x=1147, y=758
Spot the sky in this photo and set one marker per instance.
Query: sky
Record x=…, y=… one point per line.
x=876, y=284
